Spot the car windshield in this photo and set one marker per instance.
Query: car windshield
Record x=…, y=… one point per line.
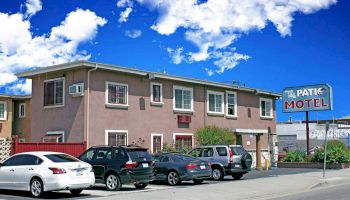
x=184, y=157
x=60, y=158
x=238, y=151
x=137, y=154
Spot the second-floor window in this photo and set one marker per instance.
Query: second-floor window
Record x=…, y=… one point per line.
x=3, y=111
x=117, y=94
x=215, y=102
x=156, y=93
x=54, y=92
x=22, y=110
x=266, y=108
x=231, y=103
x=183, y=98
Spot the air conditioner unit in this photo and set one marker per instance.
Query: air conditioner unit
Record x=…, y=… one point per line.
x=76, y=90
x=184, y=119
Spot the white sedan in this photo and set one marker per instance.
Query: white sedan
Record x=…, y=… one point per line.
x=39, y=172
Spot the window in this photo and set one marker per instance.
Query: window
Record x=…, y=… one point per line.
x=266, y=108
x=31, y=160
x=55, y=136
x=116, y=138
x=103, y=154
x=14, y=161
x=22, y=110
x=231, y=104
x=215, y=101
x=157, y=143
x=183, y=98
x=119, y=153
x=207, y=152
x=195, y=152
x=116, y=94
x=156, y=93
x=3, y=110
x=61, y=158
x=183, y=141
x=88, y=156
x=222, y=151
x=54, y=92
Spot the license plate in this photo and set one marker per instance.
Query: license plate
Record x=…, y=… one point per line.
x=145, y=165
x=202, y=166
x=79, y=173
x=236, y=165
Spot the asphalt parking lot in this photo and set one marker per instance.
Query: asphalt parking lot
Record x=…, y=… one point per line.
x=99, y=191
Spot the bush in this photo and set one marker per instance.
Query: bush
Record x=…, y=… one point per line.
x=170, y=149
x=336, y=153
x=295, y=156
x=212, y=135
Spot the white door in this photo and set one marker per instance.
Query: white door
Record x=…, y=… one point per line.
x=7, y=172
x=22, y=174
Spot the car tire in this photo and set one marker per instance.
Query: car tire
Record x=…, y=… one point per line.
x=76, y=192
x=197, y=181
x=237, y=176
x=36, y=187
x=113, y=182
x=217, y=174
x=173, y=178
x=247, y=161
x=140, y=185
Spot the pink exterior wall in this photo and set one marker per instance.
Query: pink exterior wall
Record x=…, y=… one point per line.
x=69, y=118
x=22, y=126
x=7, y=123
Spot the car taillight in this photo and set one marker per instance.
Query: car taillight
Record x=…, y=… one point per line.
x=131, y=164
x=231, y=155
x=191, y=166
x=57, y=170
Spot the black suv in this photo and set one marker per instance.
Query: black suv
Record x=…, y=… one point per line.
x=117, y=165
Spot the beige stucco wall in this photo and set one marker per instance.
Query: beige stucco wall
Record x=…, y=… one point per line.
x=22, y=126
x=7, y=124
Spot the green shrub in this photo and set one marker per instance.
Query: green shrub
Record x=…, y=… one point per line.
x=212, y=135
x=336, y=153
x=170, y=149
x=295, y=156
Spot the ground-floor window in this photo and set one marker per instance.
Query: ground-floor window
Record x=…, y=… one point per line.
x=117, y=138
x=183, y=141
x=157, y=143
x=54, y=137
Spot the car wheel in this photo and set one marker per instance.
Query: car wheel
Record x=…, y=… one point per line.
x=237, y=176
x=36, y=187
x=140, y=185
x=76, y=192
x=113, y=182
x=173, y=178
x=197, y=181
x=217, y=174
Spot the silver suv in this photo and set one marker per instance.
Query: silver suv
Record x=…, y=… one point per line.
x=225, y=160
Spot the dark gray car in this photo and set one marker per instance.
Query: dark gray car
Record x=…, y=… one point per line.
x=231, y=160
x=174, y=168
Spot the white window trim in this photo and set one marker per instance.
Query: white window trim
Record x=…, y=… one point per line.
x=181, y=109
x=57, y=133
x=2, y=139
x=161, y=144
x=117, y=105
x=161, y=94
x=183, y=134
x=19, y=110
x=236, y=105
x=116, y=131
x=63, y=91
x=271, y=109
x=5, y=111
x=222, y=102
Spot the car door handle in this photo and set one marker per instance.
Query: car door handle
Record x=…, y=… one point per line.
x=12, y=170
x=30, y=169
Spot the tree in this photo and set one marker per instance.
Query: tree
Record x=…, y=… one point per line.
x=213, y=135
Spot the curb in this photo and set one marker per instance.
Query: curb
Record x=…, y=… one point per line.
x=330, y=181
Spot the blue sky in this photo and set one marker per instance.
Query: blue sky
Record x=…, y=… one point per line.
x=263, y=44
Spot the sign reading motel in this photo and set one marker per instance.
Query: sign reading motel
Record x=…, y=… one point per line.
x=307, y=98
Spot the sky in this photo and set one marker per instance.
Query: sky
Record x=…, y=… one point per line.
x=264, y=44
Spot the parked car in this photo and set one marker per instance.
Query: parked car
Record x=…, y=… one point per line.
x=174, y=168
x=39, y=172
x=118, y=165
x=225, y=160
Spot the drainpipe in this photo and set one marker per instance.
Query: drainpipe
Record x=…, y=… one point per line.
x=88, y=106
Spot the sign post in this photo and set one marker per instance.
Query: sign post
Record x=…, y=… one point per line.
x=307, y=98
x=325, y=150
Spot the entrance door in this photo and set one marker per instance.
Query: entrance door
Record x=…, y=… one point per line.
x=239, y=140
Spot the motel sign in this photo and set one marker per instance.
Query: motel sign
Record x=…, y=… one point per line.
x=307, y=98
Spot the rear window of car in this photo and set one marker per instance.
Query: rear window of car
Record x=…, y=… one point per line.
x=222, y=151
x=60, y=158
x=238, y=151
x=184, y=157
x=139, y=154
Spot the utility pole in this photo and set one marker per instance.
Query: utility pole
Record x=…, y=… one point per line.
x=307, y=136
x=325, y=150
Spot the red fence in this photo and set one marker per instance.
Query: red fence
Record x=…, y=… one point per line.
x=74, y=149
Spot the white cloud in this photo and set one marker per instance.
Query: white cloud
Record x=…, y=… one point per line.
x=23, y=86
x=6, y=78
x=176, y=55
x=215, y=25
x=33, y=6
x=128, y=5
x=228, y=60
x=21, y=50
x=210, y=72
x=133, y=33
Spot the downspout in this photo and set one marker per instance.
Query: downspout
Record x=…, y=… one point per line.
x=88, y=106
